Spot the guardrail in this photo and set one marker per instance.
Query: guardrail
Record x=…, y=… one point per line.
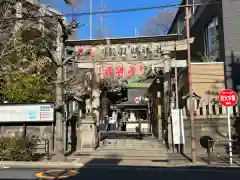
x=219, y=152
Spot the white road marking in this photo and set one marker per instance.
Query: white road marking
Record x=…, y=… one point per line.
x=4, y=167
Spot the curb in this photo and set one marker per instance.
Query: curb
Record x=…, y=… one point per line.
x=23, y=164
x=75, y=165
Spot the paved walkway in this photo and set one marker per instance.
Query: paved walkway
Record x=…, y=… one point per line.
x=125, y=151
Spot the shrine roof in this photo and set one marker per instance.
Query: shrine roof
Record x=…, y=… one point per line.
x=144, y=83
x=140, y=39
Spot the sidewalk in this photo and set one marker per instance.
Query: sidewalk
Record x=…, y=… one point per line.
x=43, y=164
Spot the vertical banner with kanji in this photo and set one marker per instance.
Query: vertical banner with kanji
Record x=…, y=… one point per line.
x=119, y=70
x=130, y=70
x=108, y=70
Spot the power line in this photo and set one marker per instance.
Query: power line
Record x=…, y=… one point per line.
x=116, y=11
x=143, y=8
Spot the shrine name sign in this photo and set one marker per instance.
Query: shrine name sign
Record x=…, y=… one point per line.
x=124, y=60
x=127, y=51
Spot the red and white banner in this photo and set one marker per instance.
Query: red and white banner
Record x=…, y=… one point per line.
x=119, y=70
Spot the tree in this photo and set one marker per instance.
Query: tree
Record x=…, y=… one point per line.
x=26, y=66
x=31, y=56
x=158, y=25
x=26, y=62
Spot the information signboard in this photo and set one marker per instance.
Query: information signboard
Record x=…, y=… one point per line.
x=42, y=112
x=178, y=126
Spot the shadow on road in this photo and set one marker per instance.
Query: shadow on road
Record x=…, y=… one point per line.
x=108, y=169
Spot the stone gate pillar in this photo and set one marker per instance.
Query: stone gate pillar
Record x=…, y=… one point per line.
x=166, y=96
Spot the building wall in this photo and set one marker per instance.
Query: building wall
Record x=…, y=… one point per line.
x=228, y=12
x=208, y=79
x=231, y=25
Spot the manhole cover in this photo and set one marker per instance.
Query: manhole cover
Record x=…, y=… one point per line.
x=56, y=174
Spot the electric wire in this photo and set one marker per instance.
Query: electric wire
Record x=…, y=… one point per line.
x=77, y=14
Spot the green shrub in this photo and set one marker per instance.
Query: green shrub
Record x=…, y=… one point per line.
x=18, y=148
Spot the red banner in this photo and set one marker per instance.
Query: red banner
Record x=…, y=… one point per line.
x=119, y=70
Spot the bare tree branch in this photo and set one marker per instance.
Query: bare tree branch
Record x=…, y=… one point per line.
x=160, y=24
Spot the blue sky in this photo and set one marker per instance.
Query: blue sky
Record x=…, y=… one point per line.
x=114, y=25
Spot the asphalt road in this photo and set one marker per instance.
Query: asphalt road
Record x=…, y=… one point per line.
x=129, y=173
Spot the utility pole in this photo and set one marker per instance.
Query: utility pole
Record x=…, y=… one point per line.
x=191, y=111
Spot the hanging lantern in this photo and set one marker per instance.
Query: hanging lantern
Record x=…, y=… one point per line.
x=108, y=71
x=80, y=51
x=119, y=70
x=91, y=51
x=130, y=70
x=141, y=71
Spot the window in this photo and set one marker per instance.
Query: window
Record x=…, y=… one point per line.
x=181, y=22
x=211, y=40
x=195, y=5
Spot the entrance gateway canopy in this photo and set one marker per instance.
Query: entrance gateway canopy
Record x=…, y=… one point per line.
x=128, y=57
x=125, y=58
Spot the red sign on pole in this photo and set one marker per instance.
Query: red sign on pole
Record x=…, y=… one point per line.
x=228, y=97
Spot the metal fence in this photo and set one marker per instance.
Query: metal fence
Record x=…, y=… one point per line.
x=45, y=146
x=219, y=152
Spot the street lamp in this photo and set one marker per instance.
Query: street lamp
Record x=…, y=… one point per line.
x=73, y=106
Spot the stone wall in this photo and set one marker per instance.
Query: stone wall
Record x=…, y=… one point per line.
x=215, y=128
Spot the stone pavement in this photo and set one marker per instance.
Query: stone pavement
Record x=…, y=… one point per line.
x=145, y=149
